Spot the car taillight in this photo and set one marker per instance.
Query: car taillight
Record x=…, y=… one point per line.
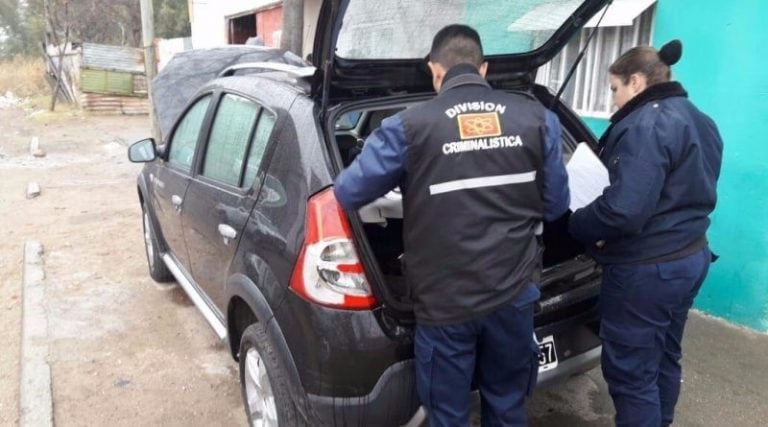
x=328, y=270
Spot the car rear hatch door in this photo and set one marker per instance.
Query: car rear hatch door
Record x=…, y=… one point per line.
x=367, y=48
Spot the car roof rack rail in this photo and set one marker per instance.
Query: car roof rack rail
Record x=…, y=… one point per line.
x=293, y=70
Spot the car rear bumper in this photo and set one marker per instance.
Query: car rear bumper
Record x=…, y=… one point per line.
x=393, y=401
x=577, y=345
x=570, y=367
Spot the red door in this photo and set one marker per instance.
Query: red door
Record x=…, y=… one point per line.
x=269, y=25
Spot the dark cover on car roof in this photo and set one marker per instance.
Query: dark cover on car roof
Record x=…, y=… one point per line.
x=188, y=71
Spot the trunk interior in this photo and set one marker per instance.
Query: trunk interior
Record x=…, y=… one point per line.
x=382, y=223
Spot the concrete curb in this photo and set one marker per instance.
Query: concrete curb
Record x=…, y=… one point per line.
x=35, y=403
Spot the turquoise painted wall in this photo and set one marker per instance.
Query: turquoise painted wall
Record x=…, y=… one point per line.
x=598, y=126
x=725, y=70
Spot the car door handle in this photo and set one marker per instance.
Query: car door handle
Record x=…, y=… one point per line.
x=227, y=232
x=177, y=201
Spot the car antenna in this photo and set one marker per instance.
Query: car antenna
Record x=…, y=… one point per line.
x=578, y=58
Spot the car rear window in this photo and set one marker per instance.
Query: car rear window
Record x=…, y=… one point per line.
x=403, y=29
x=258, y=146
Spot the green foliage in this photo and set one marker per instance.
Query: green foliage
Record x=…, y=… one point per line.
x=171, y=19
x=17, y=29
x=114, y=22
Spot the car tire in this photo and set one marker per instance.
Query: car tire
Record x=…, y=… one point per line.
x=157, y=268
x=264, y=382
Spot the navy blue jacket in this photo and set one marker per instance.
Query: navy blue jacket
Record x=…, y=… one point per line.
x=491, y=253
x=663, y=157
x=381, y=166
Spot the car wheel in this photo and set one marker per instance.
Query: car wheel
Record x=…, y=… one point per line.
x=264, y=383
x=157, y=268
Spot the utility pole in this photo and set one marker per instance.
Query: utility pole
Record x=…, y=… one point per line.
x=292, y=36
x=150, y=64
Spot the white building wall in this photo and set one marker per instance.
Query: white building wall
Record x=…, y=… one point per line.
x=209, y=19
x=166, y=48
x=311, y=12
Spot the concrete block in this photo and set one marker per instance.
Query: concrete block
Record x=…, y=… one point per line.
x=34, y=148
x=33, y=190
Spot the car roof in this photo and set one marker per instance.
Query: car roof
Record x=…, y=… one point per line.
x=267, y=87
x=187, y=72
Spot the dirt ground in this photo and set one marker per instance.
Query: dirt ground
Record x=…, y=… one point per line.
x=123, y=350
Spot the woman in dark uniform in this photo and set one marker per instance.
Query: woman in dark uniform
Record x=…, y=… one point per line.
x=648, y=230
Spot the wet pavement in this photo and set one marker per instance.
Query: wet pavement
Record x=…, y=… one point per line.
x=725, y=383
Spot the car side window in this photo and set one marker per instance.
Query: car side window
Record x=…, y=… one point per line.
x=227, y=144
x=258, y=146
x=184, y=139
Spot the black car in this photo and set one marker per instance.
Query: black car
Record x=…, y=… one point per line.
x=238, y=208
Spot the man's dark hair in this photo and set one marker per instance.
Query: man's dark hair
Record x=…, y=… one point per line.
x=456, y=44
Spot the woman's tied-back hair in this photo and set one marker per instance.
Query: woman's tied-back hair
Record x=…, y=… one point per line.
x=456, y=44
x=648, y=62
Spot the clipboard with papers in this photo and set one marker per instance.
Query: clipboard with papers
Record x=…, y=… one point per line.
x=587, y=176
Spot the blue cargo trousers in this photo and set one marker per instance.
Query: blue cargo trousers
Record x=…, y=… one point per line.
x=644, y=308
x=496, y=351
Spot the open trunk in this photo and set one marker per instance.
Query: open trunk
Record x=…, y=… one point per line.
x=568, y=276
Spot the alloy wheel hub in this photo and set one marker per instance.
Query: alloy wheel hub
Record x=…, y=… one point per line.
x=259, y=396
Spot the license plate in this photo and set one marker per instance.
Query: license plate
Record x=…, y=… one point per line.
x=547, y=354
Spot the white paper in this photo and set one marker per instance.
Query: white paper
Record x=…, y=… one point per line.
x=587, y=176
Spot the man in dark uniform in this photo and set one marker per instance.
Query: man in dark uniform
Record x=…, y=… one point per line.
x=480, y=170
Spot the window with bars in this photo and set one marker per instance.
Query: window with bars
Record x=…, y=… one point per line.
x=588, y=92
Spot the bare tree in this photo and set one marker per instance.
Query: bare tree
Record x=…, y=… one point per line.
x=57, y=31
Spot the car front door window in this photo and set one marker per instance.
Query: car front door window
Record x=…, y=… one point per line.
x=185, y=137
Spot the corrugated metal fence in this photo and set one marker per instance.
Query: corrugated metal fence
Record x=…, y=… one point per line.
x=112, y=79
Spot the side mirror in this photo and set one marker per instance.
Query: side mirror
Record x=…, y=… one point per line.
x=142, y=151
x=160, y=150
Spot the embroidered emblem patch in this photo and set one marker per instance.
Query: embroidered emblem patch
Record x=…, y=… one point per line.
x=479, y=125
